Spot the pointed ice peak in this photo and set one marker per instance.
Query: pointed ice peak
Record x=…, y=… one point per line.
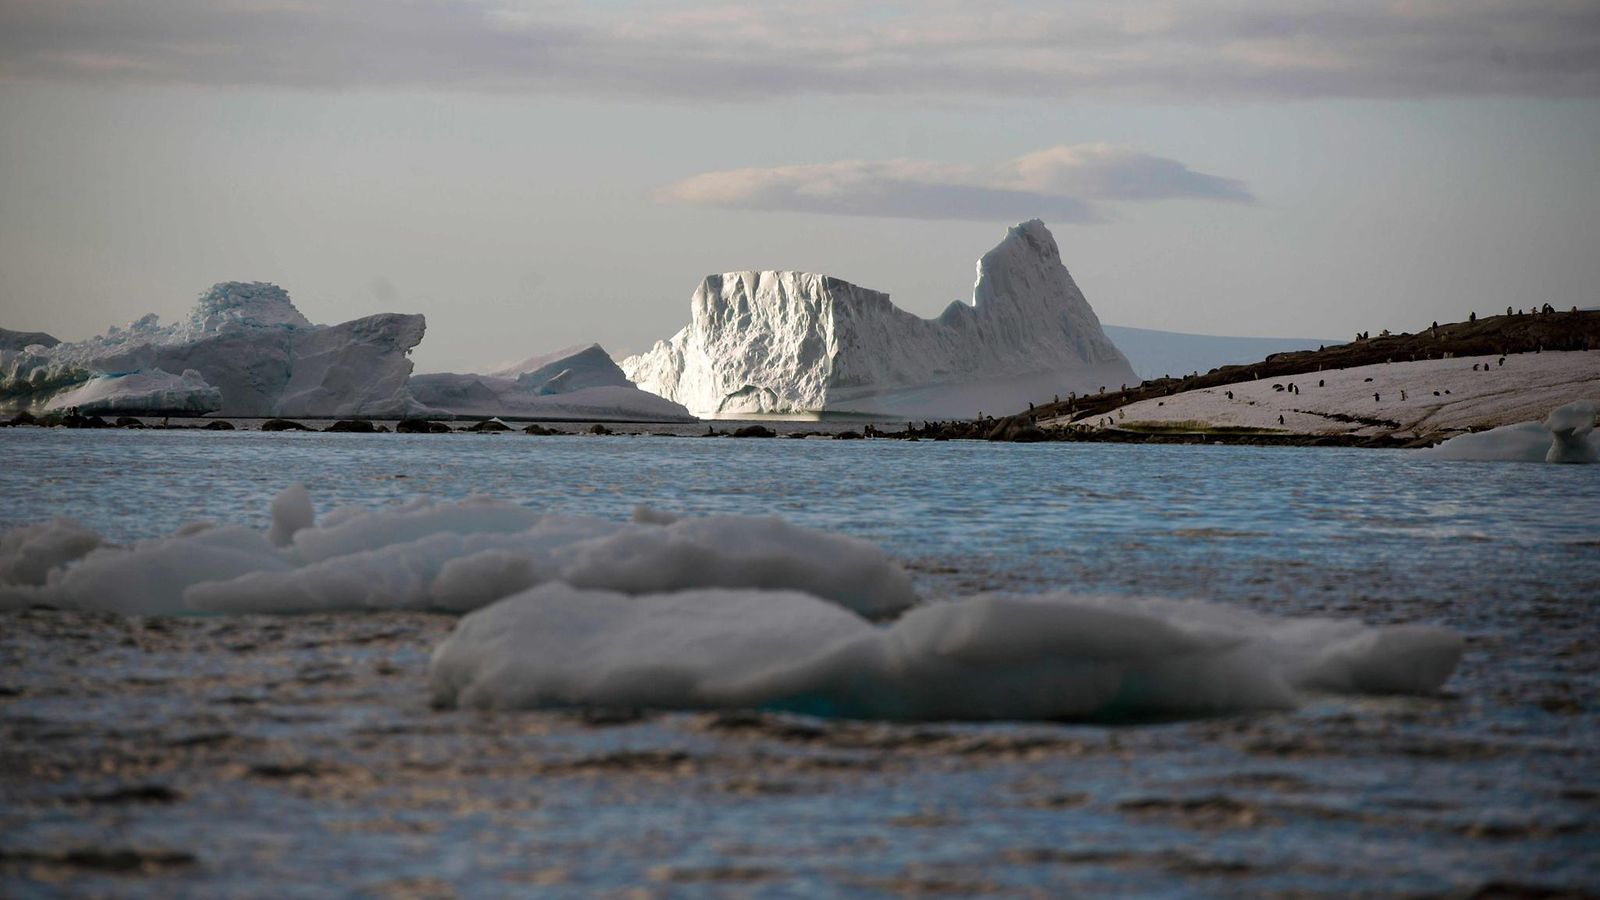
x=590, y=352
x=248, y=304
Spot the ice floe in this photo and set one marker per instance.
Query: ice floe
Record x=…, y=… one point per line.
x=435, y=555
x=1567, y=435
x=1053, y=656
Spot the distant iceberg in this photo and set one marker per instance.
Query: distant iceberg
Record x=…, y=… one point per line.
x=1567, y=435
x=244, y=351
x=577, y=383
x=794, y=342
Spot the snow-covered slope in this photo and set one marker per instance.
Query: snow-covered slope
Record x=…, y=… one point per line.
x=793, y=342
x=245, y=341
x=579, y=382
x=1439, y=395
x=1155, y=354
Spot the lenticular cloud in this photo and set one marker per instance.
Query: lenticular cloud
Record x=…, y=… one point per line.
x=718, y=612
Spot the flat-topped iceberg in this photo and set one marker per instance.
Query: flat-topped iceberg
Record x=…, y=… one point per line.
x=795, y=342
x=577, y=383
x=245, y=350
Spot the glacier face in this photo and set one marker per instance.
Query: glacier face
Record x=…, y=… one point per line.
x=244, y=351
x=580, y=382
x=793, y=342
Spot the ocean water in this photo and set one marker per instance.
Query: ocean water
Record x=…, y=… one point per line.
x=298, y=756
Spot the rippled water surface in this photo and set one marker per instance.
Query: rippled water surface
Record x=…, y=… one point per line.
x=245, y=754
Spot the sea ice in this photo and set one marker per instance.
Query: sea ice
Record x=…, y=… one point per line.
x=426, y=555
x=1047, y=656
x=1567, y=435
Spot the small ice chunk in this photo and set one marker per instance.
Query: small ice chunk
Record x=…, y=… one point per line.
x=28, y=553
x=291, y=511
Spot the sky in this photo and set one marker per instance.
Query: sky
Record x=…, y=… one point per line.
x=533, y=175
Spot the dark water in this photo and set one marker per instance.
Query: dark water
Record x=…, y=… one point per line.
x=301, y=750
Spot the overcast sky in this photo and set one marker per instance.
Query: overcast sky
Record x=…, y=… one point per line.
x=531, y=175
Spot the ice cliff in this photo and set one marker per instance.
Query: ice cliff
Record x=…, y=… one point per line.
x=1567, y=435
x=244, y=351
x=579, y=382
x=787, y=342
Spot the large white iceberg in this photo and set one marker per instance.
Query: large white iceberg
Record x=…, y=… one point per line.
x=1052, y=656
x=1567, y=435
x=793, y=342
x=251, y=354
x=577, y=383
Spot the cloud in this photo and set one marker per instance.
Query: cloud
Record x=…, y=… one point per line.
x=1163, y=50
x=1063, y=184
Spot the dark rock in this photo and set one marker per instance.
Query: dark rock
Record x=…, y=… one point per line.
x=74, y=421
x=420, y=426
x=848, y=436
x=755, y=431
x=219, y=425
x=597, y=428
x=128, y=422
x=488, y=426
x=538, y=430
x=352, y=426
x=1017, y=429
x=23, y=418
x=282, y=425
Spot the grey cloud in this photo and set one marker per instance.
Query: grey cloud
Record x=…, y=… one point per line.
x=1244, y=49
x=1064, y=184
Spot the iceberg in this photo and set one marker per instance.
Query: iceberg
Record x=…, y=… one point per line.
x=1050, y=656
x=245, y=350
x=795, y=342
x=577, y=383
x=152, y=392
x=1566, y=435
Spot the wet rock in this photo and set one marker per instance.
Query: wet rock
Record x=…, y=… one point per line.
x=848, y=436
x=219, y=425
x=754, y=431
x=353, y=426
x=597, y=428
x=282, y=425
x=490, y=426
x=1018, y=430
x=538, y=430
x=128, y=422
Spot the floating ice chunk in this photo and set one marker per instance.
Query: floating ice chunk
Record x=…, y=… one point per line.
x=742, y=552
x=291, y=512
x=1567, y=435
x=150, y=577
x=992, y=657
x=27, y=554
x=1572, y=428
x=559, y=646
x=356, y=532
